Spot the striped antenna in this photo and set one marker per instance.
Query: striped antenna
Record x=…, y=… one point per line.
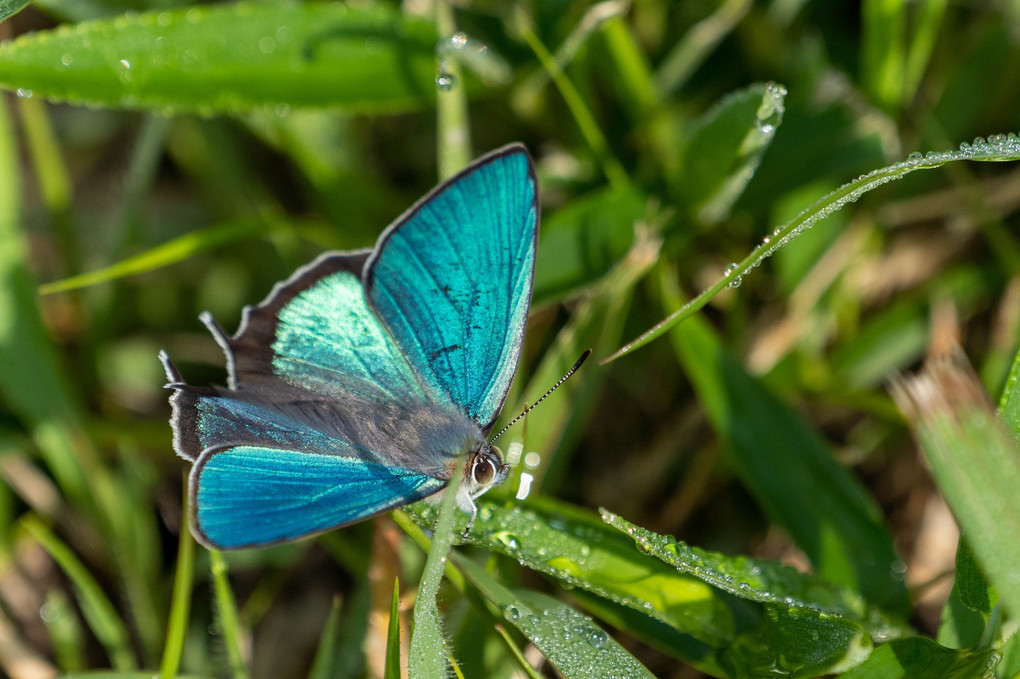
x=527, y=410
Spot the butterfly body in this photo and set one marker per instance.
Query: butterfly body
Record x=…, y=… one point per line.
x=368, y=379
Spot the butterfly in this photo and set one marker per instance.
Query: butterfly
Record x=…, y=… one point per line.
x=362, y=381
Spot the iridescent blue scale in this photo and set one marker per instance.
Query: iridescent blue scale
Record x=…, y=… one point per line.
x=361, y=381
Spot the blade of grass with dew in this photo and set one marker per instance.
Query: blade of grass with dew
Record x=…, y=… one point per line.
x=997, y=148
x=427, y=654
x=922, y=657
x=569, y=640
x=724, y=147
x=100, y=614
x=392, y=669
x=452, y=126
x=226, y=614
x=791, y=472
x=180, y=603
x=229, y=58
x=172, y=252
x=974, y=460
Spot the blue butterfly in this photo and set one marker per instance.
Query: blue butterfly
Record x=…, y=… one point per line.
x=361, y=381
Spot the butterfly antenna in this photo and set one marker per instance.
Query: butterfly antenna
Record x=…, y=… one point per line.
x=553, y=388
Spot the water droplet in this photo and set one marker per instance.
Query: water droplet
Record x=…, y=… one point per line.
x=511, y=612
x=458, y=41
x=445, y=82
x=597, y=638
x=267, y=45
x=915, y=157
x=23, y=93
x=532, y=460
x=533, y=621
x=165, y=18
x=507, y=539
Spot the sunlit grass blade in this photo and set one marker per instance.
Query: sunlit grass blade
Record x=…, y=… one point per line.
x=697, y=44
x=226, y=614
x=974, y=459
x=568, y=639
x=100, y=613
x=998, y=147
x=166, y=254
x=392, y=669
x=792, y=473
x=324, y=666
x=180, y=605
x=230, y=58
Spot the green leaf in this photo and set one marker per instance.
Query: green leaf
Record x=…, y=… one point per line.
x=585, y=239
x=967, y=610
x=9, y=8
x=811, y=626
x=392, y=670
x=792, y=473
x=921, y=657
x=725, y=147
x=324, y=664
x=100, y=614
x=571, y=641
x=230, y=58
x=576, y=548
x=975, y=462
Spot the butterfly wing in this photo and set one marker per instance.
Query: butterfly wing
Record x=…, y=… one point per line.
x=451, y=280
x=316, y=330
x=251, y=495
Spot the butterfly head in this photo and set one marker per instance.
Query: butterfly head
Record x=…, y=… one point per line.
x=483, y=470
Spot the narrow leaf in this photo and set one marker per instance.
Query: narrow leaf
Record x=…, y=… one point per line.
x=974, y=459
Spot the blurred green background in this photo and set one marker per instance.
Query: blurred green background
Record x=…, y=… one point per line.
x=182, y=163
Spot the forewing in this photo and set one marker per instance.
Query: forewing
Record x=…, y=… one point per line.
x=315, y=330
x=451, y=280
x=248, y=495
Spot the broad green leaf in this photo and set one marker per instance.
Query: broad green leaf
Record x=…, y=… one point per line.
x=725, y=147
x=582, y=241
x=811, y=627
x=570, y=640
x=576, y=548
x=975, y=462
x=921, y=657
x=759, y=580
x=792, y=473
x=230, y=58
x=1009, y=403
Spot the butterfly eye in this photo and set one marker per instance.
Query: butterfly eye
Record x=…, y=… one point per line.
x=483, y=472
